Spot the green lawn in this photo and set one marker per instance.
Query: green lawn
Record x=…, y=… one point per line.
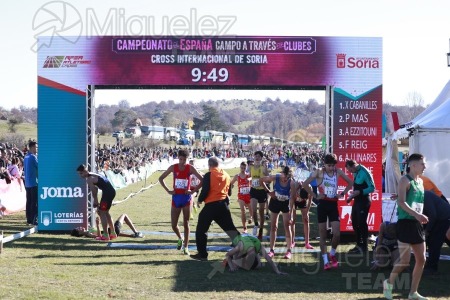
x=58, y=266
x=27, y=130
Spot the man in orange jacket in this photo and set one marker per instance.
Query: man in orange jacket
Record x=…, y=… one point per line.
x=215, y=192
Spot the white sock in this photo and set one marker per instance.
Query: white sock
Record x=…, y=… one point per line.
x=333, y=252
x=325, y=258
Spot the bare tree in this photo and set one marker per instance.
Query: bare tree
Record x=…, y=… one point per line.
x=415, y=104
x=124, y=104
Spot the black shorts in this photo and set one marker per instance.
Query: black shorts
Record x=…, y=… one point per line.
x=327, y=209
x=117, y=227
x=107, y=200
x=260, y=195
x=255, y=263
x=300, y=204
x=277, y=206
x=410, y=231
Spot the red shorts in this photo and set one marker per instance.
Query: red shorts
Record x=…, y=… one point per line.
x=245, y=198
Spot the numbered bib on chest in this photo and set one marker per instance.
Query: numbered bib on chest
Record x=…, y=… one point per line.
x=281, y=197
x=417, y=207
x=330, y=191
x=181, y=183
x=244, y=190
x=255, y=183
x=195, y=182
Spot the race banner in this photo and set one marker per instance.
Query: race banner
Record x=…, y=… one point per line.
x=352, y=66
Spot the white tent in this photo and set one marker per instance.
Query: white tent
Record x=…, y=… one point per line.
x=429, y=134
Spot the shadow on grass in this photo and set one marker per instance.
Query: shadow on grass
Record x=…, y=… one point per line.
x=353, y=277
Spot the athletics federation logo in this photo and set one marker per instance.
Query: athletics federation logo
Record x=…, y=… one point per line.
x=53, y=61
x=64, y=61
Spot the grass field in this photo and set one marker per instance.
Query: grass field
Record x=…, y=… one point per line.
x=29, y=131
x=58, y=266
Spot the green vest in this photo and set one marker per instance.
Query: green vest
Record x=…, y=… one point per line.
x=414, y=198
x=248, y=241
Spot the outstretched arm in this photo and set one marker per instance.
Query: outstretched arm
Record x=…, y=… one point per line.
x=267, y=179
x=347, y=179
x=306, y=184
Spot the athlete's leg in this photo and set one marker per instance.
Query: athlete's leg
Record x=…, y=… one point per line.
x=305, y=219
x=287, y=230
x=273, y=228
x=243, y=218
x=174, y=216
x=187, y=229
x=254, y=206
x=336, y=228
x=403, y=261
x=323, y=237
x=294, y=217
x=261, y=216
x=129, y=223
x=419, y=256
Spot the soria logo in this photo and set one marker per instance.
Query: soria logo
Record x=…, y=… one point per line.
x=64, y=61
x=342, y=61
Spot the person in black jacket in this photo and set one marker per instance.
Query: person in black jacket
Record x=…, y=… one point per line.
x=438, y=212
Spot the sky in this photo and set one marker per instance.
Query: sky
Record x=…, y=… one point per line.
x=415, y=41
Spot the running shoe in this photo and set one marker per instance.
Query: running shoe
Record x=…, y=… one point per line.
x=288, y=255
x=198, y=257
x=387, y=289
x=308, y=246
x=334, y=262
x=266, y=216
x=244, y=231
x=179, y=244
x=271, y=253
x=292, y=245
x=255, y=230
x=113, y=236
x=327, y=266
x=416, y=296
x=186, y=251
x=138, y=235
x=102, y=238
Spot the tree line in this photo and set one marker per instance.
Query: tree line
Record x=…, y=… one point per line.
x=302, y=121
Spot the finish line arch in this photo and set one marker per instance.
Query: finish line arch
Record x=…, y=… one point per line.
x=348, y=68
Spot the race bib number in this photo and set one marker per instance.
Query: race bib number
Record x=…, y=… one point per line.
x=194, y=181
x=181, y=183
x=281, y=197
x=244, y=190
x=417, y=207
x=255, y=182
x=330, y=191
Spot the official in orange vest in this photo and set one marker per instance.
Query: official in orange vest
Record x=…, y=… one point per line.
x=215, y=193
